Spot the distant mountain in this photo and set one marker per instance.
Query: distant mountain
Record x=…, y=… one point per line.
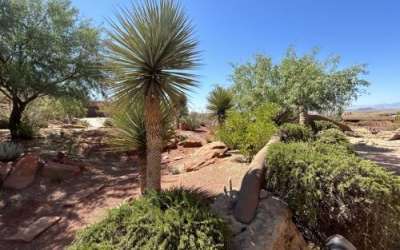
x=366, y=108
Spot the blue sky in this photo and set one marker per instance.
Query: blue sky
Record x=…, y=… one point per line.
x=233, y=31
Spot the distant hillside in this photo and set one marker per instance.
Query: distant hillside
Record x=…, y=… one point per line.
x=376, y=107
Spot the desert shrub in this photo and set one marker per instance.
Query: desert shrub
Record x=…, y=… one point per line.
x=290, y=132
x=331, y=191
x=191, y=122
x=27, y=129
x=321, y=125
x=172, y=219
x=248, y=131
x=10, y=151
x=333, y=136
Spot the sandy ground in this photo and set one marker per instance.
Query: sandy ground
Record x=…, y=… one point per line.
x=114, y=180
x=378, y=148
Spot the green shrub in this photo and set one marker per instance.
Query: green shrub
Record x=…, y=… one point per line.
x=333, y=136
x=248, y=132
x=172, y=219
x=290, y=132
x=10, y=151
x=27, y=130
x=331, y=191
x=190, y=122
x=321, y=125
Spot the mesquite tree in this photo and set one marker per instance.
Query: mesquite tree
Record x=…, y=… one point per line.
x=45, y=50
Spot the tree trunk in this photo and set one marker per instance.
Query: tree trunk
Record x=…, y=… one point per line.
x=142, y=172
x=154, y=141
x=15, y=118
x=303, y=116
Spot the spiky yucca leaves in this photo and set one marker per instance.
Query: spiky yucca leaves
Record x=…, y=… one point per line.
x=219, y=102
x=151, y=50
x=130, y=133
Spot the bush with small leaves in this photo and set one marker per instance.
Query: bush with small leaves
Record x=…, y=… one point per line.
x=249, y=131
x=331, y=191
x=10, y=151
x=27, y=129
x=171, y=219
x=190, y=122
x=318, y=126
x=291, y=132
x=333, y=136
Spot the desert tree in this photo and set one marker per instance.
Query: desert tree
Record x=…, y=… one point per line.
x=297, y=83
x=220, y=101
x=309, y=84
x=151, y=52
x=45, y=50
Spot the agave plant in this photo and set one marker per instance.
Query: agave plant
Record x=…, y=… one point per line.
x=10, y=151
x=130, y=134
x=219, y=102
x=150, y=51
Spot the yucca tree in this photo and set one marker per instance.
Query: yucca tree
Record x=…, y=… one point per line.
x=130, y=133
x=220, y=101
x=151, y=49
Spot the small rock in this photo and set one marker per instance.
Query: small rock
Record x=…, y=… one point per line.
x=24, y=172
x=177, y=158
x=27, y=234
x=264, y=194
x=190, y=144
x=58, y=170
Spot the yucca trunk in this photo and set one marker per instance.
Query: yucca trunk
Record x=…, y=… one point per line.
x=142, y=172
x=154, y=142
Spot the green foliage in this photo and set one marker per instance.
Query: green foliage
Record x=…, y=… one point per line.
x=305, y=81
x=27, y=129
x=151, y=48
x=172, y=219
x=249, y=131
x=331, y=191
x=253, y=83
x=333, y=136
x=60, y=51
x=10, y=151
x=129, y=131
x=297, y=81
x=191, y=122
x=290, y=132
x=219, y=102
x=321, y=125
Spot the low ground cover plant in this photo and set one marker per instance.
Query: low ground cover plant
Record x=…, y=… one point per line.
x=318, y=126
x=10, y=151
x=332, y=191
x=249, y=131
x=290, y=132
x=172, y=219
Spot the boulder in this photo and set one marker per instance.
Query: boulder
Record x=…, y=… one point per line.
x=206, y=155
x=23, y=173
x=396, y=136
x=190, y=144
x=27, y=234
x=251, y=185
x=59, y=170
x=271, y=229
